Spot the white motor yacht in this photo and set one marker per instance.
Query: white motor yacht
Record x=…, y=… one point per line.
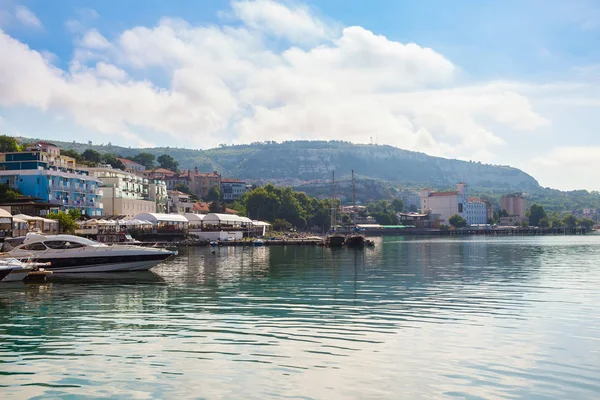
x=69, y=253
x=17, y=269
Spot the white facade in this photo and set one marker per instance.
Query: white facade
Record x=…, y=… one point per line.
x=446, y=204
x=232, y=189
x=180, y=203
x=128, y=194
x=409, y=198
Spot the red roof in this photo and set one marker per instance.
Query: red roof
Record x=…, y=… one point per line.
x=202, y=207
x=440, y=194
x=127, y=161
x=162, y=171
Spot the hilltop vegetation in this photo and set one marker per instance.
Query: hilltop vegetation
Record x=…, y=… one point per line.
x=298, y=162
x=380, y=170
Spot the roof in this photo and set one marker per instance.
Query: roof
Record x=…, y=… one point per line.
x=204, y=208
x=177, y=193
x=44, y=143
x=155, y=217
x=231, y=180
x=440, y=194
x=29, y=217
x=128, y=161
x=194, y=217
x=161, y=171
x=218, y=218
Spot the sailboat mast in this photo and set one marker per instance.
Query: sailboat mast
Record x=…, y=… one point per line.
x=332, y=199
x=353, y=200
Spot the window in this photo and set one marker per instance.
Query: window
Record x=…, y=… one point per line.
x=460, y=207
x=34, y=247
x=63, y=245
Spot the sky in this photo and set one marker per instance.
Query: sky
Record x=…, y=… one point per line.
x=512, y=82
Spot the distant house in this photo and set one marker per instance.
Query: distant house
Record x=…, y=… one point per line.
x=132, y=166
x=232, y=189
x=199, y=183
x=446, y=204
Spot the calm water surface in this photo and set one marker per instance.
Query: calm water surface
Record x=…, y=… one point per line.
x=471, y=317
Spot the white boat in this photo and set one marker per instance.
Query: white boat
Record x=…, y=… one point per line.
x=18, y=269
x=69, y=254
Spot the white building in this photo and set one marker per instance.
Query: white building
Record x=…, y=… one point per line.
x=409, y=198
x=180, y=203
x=128, y=194
x=232, y=189
x=446, y=204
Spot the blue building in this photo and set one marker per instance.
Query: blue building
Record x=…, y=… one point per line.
x=43, y=173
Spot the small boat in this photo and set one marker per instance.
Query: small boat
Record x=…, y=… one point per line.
x=335, y=240
x=258, y=242
x=74, y=254
x=355, y=241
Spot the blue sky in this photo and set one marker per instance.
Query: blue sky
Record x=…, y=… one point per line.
x=511, y=82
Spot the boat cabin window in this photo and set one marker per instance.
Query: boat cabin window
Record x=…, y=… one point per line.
x=63, y=244
x=34, y=247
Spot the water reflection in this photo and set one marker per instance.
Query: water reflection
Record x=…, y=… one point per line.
x=482, y=317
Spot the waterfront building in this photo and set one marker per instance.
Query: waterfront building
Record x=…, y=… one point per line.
x=443, y=205
x=41, y=172
x=418, y=220
x=126, y=193
x=514, y=204
x=179, y=202
x=199, y=183
x=232, y=189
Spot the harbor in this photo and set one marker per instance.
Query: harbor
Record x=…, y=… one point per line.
x=312, y=317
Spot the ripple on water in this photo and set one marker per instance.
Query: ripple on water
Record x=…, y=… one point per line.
x=468, y=317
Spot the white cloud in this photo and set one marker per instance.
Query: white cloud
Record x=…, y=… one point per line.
x=94, y=40
x=227, y=84
x=27, y=17
x=568, y=167
x=295, y=23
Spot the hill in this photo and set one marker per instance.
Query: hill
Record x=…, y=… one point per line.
x=302, y=163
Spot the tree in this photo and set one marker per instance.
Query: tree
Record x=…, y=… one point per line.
x=145, y=159
x=214, y=194
x=91, y=156
x=457, y=221
x=346, y=219
x=524, y=224
x=544, y=222
x=215, y=207
x=412, y=208
x=8, y=144
x=281, y=225
x=398, y=205
x=113, y=161
x=382, y=218
x=167, y=162
x=536, y=212
x=570, y=221
x=72, y=153
x=66, y=220
x=586, y=223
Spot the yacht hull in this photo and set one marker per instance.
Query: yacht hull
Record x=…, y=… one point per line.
x=100, y=263
x=16, y=275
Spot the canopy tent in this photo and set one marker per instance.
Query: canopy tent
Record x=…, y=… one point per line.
x=155, y=218
x=260, y=223
x=194, y=219
x=29, y=218
x=225, y=219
